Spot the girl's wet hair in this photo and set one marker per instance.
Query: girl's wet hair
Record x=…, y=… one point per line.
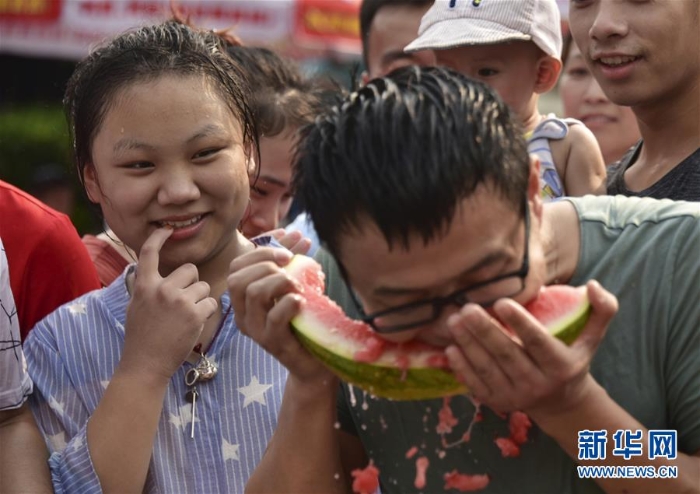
x=404, y=151
x=143, y=55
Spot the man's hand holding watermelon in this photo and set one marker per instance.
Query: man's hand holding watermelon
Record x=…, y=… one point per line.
x=265, y=298
x=524, y=367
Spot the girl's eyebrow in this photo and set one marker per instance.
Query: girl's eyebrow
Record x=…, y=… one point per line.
x=128, y=143
x=206, y=131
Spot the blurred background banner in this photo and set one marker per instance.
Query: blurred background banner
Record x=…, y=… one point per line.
x=67, y=29
x=333, y=25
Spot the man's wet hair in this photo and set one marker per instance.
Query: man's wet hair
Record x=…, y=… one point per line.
x=404, y=151
x=369, y=10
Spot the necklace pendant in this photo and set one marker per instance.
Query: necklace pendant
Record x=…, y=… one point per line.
x=206, y=369
x=192, y=376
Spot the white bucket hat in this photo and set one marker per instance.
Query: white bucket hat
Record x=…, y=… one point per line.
x=452, y=23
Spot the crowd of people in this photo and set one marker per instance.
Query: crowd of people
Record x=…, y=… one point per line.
x=157, y=356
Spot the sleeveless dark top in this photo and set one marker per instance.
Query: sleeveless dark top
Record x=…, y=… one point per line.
x=682, y=183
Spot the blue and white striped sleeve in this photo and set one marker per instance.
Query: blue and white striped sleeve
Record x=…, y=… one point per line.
x=60, y=414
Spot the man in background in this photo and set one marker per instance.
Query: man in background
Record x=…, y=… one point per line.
x=646, y=55
x=386, y=27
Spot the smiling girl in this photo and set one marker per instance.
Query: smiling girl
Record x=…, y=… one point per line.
x=148, y=385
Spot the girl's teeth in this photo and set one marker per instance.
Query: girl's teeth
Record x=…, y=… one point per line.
x=181, y=224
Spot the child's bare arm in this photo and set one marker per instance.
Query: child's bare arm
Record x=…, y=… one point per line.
x=583, y=169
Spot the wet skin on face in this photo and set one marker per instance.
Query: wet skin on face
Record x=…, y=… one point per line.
x=169, y=151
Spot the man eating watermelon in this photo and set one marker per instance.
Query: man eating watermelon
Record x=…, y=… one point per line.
x=422, y=191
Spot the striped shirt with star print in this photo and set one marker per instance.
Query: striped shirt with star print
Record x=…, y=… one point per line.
x=73, y=353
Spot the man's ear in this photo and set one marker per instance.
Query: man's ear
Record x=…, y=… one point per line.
x=548, y=70
x=92, y=184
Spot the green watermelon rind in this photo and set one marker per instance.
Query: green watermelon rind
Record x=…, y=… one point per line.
x=386, y=382
x=413, y=384
x=417, y=383
x=569, y=329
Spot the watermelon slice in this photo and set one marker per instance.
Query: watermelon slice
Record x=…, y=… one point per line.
x=407, y=371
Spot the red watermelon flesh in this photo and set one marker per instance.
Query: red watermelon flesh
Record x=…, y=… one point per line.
x=465, y=483
x=366, y=480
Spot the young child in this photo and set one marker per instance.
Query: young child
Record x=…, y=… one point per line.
x=148, y=385
x=515, y=47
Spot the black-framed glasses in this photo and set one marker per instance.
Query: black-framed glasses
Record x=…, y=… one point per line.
x=422, y=312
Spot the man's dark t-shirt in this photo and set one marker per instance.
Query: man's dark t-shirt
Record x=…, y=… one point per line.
x=682, y=183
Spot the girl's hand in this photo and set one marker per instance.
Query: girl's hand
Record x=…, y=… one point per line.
x=265, y=298
x=535, y=372
x=165, y=315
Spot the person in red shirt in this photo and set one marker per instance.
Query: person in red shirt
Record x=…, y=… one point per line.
x=48, y=263
x=109, y=255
